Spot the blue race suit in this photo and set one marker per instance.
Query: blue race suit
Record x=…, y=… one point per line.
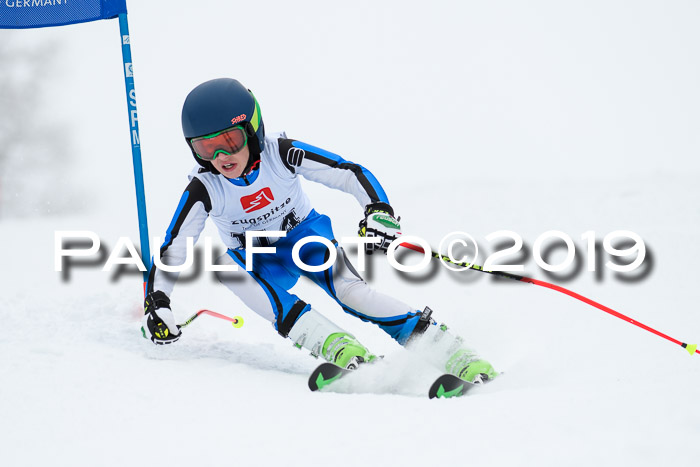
x=270, y=198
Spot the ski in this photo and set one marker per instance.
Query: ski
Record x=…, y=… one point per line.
x=449, y=386
x=325, y=374
x=445, y=386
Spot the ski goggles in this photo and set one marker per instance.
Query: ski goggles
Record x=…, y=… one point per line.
x=228, y=141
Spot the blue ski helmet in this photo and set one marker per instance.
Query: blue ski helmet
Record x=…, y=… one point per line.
x=219, y=104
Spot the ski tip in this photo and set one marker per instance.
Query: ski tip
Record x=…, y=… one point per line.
x=312, y=379
x=325, y=374
x=447, y=386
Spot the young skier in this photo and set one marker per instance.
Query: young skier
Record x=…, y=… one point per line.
x=246, y=181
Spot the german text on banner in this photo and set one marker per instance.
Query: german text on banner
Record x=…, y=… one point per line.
x=19, y=14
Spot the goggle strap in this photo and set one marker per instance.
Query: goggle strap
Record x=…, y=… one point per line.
x=255, y=119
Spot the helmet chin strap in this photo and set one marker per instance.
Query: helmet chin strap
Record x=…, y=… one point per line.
x=254, y=150
x=253, y=160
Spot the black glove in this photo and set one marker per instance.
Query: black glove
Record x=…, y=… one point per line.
x=379, y=222
x=158, y=321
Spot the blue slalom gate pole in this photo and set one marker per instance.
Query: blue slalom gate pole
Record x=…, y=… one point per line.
x=26, y=14
x=135, y=144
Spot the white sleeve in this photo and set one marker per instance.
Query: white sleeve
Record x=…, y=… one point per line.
x=330, y=169
x=188, y=221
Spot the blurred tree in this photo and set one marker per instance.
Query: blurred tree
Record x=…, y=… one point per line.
x=33, y=149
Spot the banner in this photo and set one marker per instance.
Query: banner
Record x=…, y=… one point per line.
x=20, y=14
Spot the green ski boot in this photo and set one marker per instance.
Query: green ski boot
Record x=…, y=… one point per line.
x=345, y=351
x=466, y=365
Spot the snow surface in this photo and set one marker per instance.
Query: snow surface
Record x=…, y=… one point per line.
x=567, y=116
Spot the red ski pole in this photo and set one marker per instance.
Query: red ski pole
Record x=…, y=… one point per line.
x=691, y=348
x=236, y=321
